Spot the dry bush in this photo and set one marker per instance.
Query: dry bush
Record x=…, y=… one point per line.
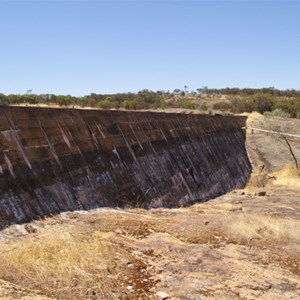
x=63, y=266
x=288, y=176
x=259, y=180
x=263, y=227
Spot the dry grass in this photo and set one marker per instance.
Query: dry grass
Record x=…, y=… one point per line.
x=63, y=266
x=254, y=118
x=288, y=177
x=245, y=227
x=258, y=180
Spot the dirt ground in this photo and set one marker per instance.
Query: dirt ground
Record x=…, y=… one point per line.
x=242, y=245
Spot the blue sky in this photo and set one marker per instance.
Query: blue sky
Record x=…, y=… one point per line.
x=80, y=47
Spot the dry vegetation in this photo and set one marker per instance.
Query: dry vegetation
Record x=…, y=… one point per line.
x=64, y=266
x=288, y=176
x=273, y=229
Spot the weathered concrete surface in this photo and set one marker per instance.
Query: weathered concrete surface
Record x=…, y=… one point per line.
x=53, y=160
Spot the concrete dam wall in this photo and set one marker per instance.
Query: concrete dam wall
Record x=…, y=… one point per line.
x=53, y=160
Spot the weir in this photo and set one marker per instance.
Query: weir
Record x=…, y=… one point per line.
x=54, y=160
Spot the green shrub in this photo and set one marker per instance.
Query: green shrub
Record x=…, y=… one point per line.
x=277, y=113
x=203, y=107
x=223, y=106
x=290, y=106
x=185, y=104
x=189, y=105
x=105, y=104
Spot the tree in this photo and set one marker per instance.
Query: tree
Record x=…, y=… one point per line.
x=105, y=104
x=176, y=91
x=200, y=91
x=262, y=102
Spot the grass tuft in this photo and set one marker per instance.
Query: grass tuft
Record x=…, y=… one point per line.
x=287, y=177
x=63, y=266
x=263, y=227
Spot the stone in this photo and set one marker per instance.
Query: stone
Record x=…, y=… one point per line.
x=130, y=288
x=260, y=193
x=263, y=193
x=162, y=295
x=118, y=231
x=31, y=228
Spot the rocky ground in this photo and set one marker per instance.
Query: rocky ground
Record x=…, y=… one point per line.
x=243, y=245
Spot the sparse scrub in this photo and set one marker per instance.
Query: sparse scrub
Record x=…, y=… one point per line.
x=63, y=266
x=288, y=177
x=263, y=227
x=185, y=104
x=203, y=107
x=259, y=180
x=277, y=113
x=242, y=100
x=223, y=106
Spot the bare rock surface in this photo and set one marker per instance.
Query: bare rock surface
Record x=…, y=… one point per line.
x=178, y=253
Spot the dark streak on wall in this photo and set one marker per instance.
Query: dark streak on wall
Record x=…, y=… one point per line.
x=53, y=160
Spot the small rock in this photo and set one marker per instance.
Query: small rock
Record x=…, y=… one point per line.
x=18, y=229
x=162, y=295
x=118, y=231
x=206, y=222
x=261, y=193
x=64, y=215
x=30, y=228
x=237, y=202
x=130, y=288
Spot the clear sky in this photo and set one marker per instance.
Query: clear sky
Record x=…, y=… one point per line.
x=79, y=47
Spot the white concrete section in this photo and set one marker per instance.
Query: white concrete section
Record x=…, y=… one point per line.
x=128, y=146
x=153, y=150
x=136, y=137
x=79, y=151
x=9, y=165
x=99, y=129
x=95, y=141
x=172, y=131
x=163, y=135
x=13, y=135
x=112, y=164
x=50, y=145
x=8, y=134
x=65, y=138
x=23, y=153
x=116, y=152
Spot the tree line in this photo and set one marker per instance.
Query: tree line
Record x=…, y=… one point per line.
x=262, y=103
x=237, y=100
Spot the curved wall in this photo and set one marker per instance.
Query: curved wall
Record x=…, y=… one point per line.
x=53, y=160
